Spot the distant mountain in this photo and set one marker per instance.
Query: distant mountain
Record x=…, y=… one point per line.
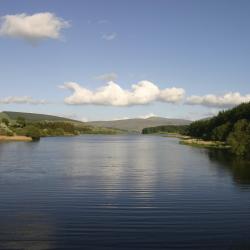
x=131, y=125
x=137, y=124
x=32, y=117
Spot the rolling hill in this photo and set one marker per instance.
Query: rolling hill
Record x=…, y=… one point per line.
x=32, y=117
x=137, y=124
x=131, y=125
x=53, y=123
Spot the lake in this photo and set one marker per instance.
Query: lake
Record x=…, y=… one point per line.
x=121, y=192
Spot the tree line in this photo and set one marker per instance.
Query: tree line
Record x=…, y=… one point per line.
x=48, y=128
x=181, y=129
x=230, y=126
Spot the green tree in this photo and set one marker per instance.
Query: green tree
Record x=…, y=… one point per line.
x=221, y=132
x=6, y=121
x=33, y=132
x=21, y=122
x=58, y=132
x=239, y=138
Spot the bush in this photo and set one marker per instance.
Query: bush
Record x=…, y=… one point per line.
x=5, y=121
x=4, y=130
x=20, y=131
x=33, y=132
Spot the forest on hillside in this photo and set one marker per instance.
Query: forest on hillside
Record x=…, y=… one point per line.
x=48, y=128
x=230, y=126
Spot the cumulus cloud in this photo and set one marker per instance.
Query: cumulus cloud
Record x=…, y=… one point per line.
x=21, y=100
x=107, y=77
x=172, y=95
x=144, y=92
x=33, y=28
x=109, y=36
x=227, y=100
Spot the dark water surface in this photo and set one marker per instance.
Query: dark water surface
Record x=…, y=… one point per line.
x=121, y=192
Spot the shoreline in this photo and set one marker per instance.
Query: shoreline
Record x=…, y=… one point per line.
x=204, y=144
x=15, y=138
x=184, y=140
x=171, y=135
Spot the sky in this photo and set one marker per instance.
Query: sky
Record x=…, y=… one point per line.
x=113, y=59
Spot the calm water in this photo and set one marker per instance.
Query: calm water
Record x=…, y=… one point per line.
x=121, y=192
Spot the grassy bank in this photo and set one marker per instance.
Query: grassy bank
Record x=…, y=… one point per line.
x=204, y=144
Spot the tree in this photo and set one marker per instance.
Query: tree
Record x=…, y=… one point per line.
x=58, y=132
x=33, y=132
x=6, y=121
x=239, y=138
x=221, y=132
x=219, y=126
x=21, y=122
x=180, y=129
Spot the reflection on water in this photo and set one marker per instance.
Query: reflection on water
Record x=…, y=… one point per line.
x=121, y=192
x=239, y=168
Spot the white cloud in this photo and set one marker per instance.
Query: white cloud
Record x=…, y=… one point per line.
x=21, y=100
x=147, y=116
x=119, y=118
x=107, y=77
x=172, y=94
x=109, y=36
x=144, y=92
x=227, y=100
x=32, y=28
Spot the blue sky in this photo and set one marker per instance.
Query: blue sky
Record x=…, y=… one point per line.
x=200, y=47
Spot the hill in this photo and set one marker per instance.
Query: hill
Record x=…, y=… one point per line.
x=25, y=124
x=32, y=117
x=138, y=124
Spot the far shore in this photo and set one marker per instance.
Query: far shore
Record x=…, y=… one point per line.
x=15, y=138
x=186, y=140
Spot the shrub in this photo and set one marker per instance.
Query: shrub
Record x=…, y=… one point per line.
x=4, y=130
x=33, y=132
x=5, y=121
